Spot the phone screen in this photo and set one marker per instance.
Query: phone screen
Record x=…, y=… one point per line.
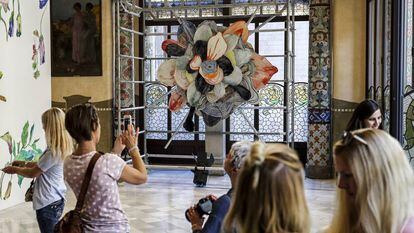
x=127, y=121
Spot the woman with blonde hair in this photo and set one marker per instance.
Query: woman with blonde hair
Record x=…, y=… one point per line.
x=49, y=186
x=269, y=195
x=375, y=185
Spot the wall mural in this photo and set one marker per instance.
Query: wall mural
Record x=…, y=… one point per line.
x=24, y=26
x=24, y=150
x=39, y=50
x=9, y=10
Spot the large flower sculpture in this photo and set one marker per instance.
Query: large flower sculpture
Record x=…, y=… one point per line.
x=213, y=69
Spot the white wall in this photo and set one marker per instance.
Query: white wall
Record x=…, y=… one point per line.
x=27, y=97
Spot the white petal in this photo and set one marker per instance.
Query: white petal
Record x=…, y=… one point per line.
x=242, y=56
x=217, y=93
x=165, y=72
x=216, y=47
x=193, y=96
x=235, y=77
x=195, y=63
x=203, y=33
x=181, y=79
x=231, y=41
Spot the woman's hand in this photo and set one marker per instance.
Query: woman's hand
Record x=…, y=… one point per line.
x=9, y=170
x=118, y=145
x=195, y=219
x=212, y=197
x=129, y=138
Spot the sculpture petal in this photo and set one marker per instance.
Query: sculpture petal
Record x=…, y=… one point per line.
x=242, y=56
x=195, y=63
x=203, y=33
x=165, y=73
x=177, y=100
x=213, y=78
x=234, y=78
x=264, y=71
x=231, y=41
x=173, y=48
x=238, y=28
x=193, y=96
x=216, y=47
x=191, y=76
x=217, y=93
x=181, y=79
x=182, y=35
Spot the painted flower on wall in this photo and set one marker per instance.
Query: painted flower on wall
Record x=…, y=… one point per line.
x=19, y=25
x=24, y=150
x=4, y=8
x=35, y=56
x=214, y=70
x=11, y=24
x=13, y=19
x=2, y=98
x=38, y=47
x=42, y=3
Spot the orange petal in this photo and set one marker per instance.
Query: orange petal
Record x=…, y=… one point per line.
x=216, y=78
x=238, y=28
x=264, y=71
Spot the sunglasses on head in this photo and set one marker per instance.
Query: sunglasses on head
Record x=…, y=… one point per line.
x=348, y=136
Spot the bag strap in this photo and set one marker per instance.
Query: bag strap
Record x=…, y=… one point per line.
x=86, y=181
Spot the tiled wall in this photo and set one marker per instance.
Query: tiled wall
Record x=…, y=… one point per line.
x=319, y=163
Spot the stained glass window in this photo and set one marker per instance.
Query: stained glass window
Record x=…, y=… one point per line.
x=156, y=118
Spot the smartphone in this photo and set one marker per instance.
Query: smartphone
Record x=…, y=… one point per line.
x=127, y=121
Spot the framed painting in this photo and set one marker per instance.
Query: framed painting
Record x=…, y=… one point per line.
x=76, y=38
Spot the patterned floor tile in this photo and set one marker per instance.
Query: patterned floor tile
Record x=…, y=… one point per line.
x=159, y=205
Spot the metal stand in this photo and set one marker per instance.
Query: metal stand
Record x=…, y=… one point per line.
x=138, y=13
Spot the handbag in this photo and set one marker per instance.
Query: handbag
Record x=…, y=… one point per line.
x=72, y=221
x=28, y=197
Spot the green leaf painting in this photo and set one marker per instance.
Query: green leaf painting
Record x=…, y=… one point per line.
x=24, y=150
x=25, y=134
x=31, y=133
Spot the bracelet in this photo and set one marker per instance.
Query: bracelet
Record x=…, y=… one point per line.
x=133, y=148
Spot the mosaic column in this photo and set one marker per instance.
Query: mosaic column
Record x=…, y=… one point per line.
x=125, y=72
x=319, y=164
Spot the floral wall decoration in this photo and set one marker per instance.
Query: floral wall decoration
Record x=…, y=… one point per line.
x=8, y=12
x=2, y=98
x=39, y=51
x=18, y=137
x=13, y=27
x=24, y=150
x=213, y=70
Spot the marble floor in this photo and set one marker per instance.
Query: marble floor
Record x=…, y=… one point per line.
x=159, y=205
